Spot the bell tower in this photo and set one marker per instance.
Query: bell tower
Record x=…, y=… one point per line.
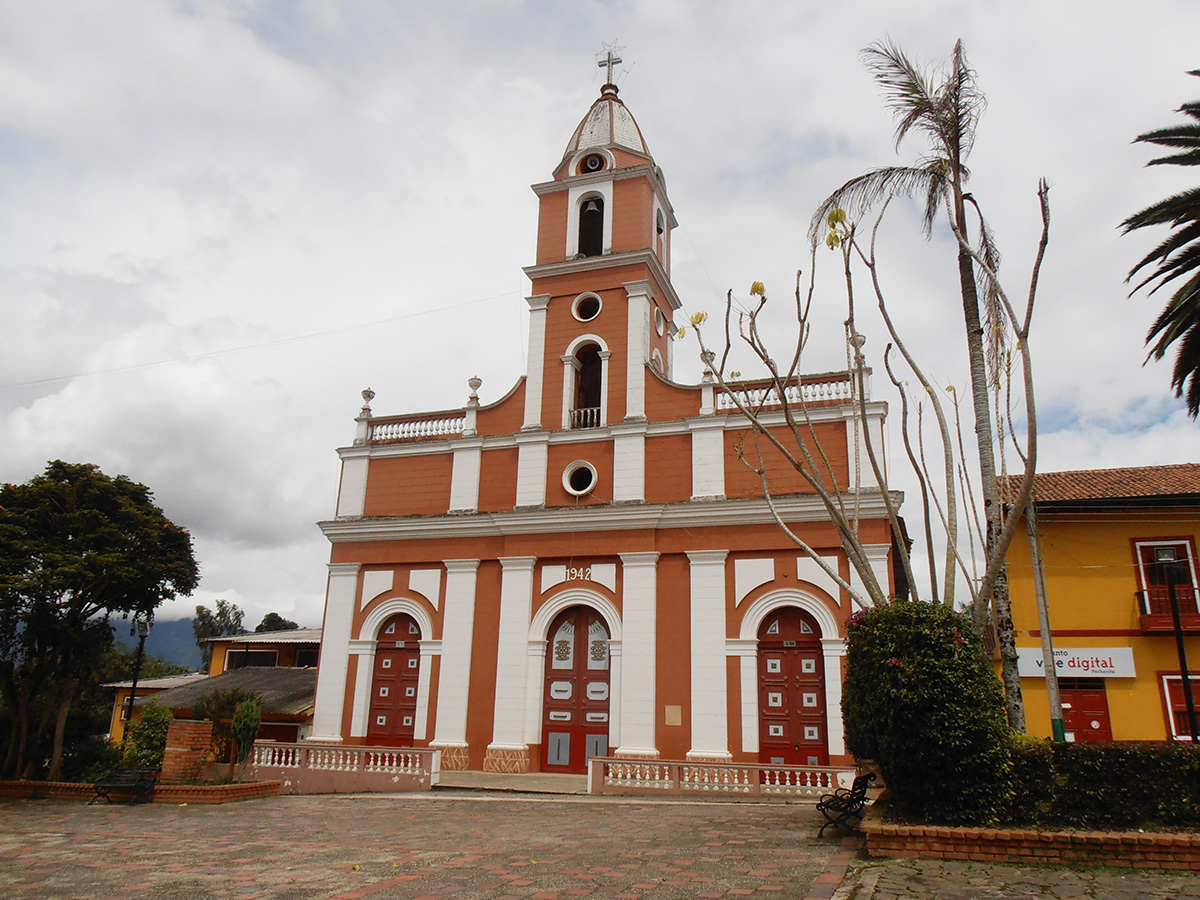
x=602, y=305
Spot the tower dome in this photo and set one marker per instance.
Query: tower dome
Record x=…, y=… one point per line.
x=607, y=124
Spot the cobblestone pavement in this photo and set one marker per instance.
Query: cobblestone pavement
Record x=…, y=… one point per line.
x=920, y=879
x=416, y=847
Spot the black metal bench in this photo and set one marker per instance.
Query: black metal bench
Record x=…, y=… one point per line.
x=845, y=803
x=136, y=780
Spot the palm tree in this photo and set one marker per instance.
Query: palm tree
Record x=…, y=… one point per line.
x=1176, y=257
x=945, y=106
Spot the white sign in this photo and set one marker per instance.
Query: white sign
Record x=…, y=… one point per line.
x=1082, y=662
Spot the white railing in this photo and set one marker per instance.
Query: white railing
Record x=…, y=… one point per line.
x=416, y=428
x=628, y=776
x=323, y=768
x=841, y=388
x=587, y=417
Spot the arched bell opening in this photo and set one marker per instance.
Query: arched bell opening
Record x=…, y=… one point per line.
x=793, y=728
x=392, y=711
x=591, y=227
x=589, y=381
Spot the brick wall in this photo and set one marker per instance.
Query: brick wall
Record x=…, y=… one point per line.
x=188, y=746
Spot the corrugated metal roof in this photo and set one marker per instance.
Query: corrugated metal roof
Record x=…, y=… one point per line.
x=166, y=681
x=292, y=636
x=285, y=691
x=1115, y=484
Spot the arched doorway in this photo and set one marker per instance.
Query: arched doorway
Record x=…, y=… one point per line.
x=393, y=707
x=792, y=727
x=575, y=716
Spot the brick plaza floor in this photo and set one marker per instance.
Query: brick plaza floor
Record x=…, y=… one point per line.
x=417, y=847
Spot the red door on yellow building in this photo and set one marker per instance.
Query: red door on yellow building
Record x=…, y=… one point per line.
x=577, y=687
x=393, y=708
x=1085, y=709
x=792, y=726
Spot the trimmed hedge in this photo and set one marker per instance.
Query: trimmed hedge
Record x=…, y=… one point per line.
x=1103, y=786
x=921, y=699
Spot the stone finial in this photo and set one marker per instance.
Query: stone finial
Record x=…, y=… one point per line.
x=368, y=395
x=474, y=383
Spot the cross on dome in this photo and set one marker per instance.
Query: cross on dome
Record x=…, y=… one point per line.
x=608, y=62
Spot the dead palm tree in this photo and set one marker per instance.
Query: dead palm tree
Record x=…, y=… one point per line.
x=945, y=106
x=1176, y=257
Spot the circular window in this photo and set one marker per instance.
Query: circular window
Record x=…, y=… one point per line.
x=659, y=322
x=579, y=478
x=586, y=307
x=593, y=162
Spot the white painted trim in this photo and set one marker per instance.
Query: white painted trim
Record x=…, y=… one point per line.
x=747, y=654
x=516, y=601
x=362, y=691
x=709, y=688
x=533, y=455
x=464, y=478
x=427, y=583
x=335, y=653
x=757, y=611
x=807, y=569
x=369, y=629
x=458, y=624
x=877, y=557
x=749, y=574
x=708, y=458
x=429, y=649
x=637, y=347
x=352, y=495
x=576, y=194
x=376, y=582
x=833, y=649
x=638, y=697
x=629, y=467
x=536, y=365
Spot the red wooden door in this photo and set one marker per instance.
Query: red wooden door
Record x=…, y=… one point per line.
x=575, y=707
x=792, y=728
x=1085, y=709
x=393, y=708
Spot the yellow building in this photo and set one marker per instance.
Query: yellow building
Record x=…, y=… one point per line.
x=1106, y=538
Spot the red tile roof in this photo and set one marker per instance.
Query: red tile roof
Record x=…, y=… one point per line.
x=1112, y=484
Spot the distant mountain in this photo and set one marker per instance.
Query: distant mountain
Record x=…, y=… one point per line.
x=174, y=641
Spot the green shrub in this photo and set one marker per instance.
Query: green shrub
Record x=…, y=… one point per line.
x=219, y=707
x=147, y=739
x=246, y=720
x=920, y=697
x=1031, y=781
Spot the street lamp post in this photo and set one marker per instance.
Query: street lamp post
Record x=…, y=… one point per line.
x=143, y=632
x=1171, y=563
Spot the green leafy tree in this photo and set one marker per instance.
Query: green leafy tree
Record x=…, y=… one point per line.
x=219, y=707
x=208, y=624
x=273, y=621
x=944, y=107
x=921, y=698
x=1176, y=257
x=76, y=546
x=246, y=720
x=147, y=738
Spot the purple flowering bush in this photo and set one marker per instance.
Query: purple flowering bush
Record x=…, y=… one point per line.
x=921, y=698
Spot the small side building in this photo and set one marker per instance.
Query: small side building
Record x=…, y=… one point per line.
x=1105, y=536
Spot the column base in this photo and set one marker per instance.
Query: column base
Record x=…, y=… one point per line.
x=635, y=753
x=716, y=756
x=455, y=757
x=507, y=760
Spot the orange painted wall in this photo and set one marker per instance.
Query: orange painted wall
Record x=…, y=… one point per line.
x=673, y=672
x=552, y=227
x=598, y=453
x=783, y=478
x=668, y=468
x=481, y=701
x=667, y=403
x=498, y=479
x=506, y=416
x=633, y=214
x=561, y=329
x=409, y=485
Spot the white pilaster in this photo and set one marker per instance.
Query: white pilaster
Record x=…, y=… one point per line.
x=458, y=625
x=364, y=651
x=533, y=453
x=629, y=463
x=708, y=458
x=535, y=681
x=537, y=359
x=570, y=374
x=604, y=358
x=637, y=348
x=832, y=651
x=464, y=478
x=639, y=614
x=516, y=603
x=746, y=652
x=429, y=649
x=710, y=729
x=858, y=431
x=352, y=494
x=877, y=559
x=335, y=652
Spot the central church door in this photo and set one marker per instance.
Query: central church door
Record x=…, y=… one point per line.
x=393, y=709
x=575, y=708
x=792, y=726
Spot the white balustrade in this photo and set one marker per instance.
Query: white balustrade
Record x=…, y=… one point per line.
x=412, y=429
x=620, y=776
x=796, y=394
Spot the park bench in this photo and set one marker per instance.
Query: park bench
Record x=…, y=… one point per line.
x=136, y=780
x=845, y=803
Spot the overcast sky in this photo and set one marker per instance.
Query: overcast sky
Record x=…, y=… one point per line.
x=220, y=221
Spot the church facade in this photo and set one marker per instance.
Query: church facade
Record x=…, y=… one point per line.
x=585, y=567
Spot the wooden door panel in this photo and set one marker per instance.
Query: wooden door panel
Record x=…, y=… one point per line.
x=791, y=690
x=577, y=687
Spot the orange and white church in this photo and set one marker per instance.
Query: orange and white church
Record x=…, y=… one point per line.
x=585, y=567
